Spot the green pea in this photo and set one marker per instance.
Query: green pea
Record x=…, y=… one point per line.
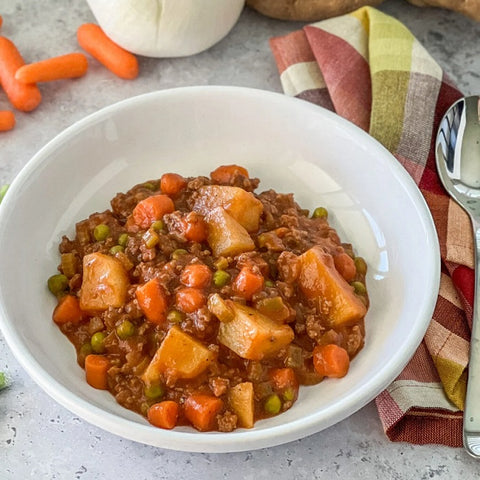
x=3, y=191
x=360, y=265
x=272, y=404
x=58, y=283
x=269, y=283
x=174, y=316
x=178, y=253
x=359, y=288
x=116, y=249
x=320, y=212
x=154, y=391
x=158, y=226
x=123, y=239
x=97, y=342
x=125, y=330
x=101, y=232
x=289, y=394
x=83, y=352
x=221, y=278
x=149, y=186
x=85, y=349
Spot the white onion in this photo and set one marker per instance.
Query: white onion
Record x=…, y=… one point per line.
x=166, y=28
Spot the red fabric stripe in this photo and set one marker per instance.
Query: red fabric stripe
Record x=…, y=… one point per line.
x=333, y=55
x=291, y=49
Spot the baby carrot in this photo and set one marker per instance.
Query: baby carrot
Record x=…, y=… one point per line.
x=94, y=41
x=7, y=120
x=96, y=368
x=71, y=65
x=21, y=96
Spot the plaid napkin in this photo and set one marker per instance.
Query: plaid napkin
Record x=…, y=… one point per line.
x=370, y=69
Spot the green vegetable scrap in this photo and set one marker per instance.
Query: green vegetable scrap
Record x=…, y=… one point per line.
x=3, y=380
x=3, y=191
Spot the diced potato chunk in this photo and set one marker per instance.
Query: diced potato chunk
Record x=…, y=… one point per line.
x=180, y=356
x=252, y=335
x=320, y=280
x=240, y=204
x=240, y=399
x=226, y=236
x=105, y=283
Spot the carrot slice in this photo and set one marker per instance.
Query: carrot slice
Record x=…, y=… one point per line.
x=189, y=299
x=96, y=368
x=196, y=275
x=163, y=414
x=247, y=283
x=195, y=228
x=331, y=360
x=22, y=97
x=283, y=378
x=94, y=41
x=201, y=410
x=153, y=301
x=7, y=120
x=71, y=65
x=68, y=310
x=151, y=209
x=172, y=183
x=227, y=173
x=345, y=265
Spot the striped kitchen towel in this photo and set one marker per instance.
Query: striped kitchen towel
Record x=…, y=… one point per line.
x=369, y=68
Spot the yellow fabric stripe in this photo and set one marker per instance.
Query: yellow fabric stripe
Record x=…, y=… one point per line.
x=454, y=380
x=301, y=77
x=410, y=393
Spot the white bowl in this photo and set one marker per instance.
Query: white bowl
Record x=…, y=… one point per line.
x=292, y=146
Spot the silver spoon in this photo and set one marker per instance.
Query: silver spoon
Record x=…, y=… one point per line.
x=457, y=150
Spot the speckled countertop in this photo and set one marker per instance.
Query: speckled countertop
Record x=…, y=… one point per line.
x=42, y=440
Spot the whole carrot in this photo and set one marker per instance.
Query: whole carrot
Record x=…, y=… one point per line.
x=22, y=97
x=7, y=120
x=71, y=65
x=94, y=41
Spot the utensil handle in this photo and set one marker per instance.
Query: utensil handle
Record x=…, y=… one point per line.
x=471, y=414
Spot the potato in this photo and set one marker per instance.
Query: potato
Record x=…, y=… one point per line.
x=240, y=204
x=226, y=236
x=320, y=280
x=252, y=335
x=241, y=401
x=307, y=10
x=180, y=356
x=105, y=283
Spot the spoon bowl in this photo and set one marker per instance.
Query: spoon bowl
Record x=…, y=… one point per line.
x=457, y=151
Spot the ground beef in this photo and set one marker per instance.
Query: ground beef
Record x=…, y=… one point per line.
x=131, y=336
